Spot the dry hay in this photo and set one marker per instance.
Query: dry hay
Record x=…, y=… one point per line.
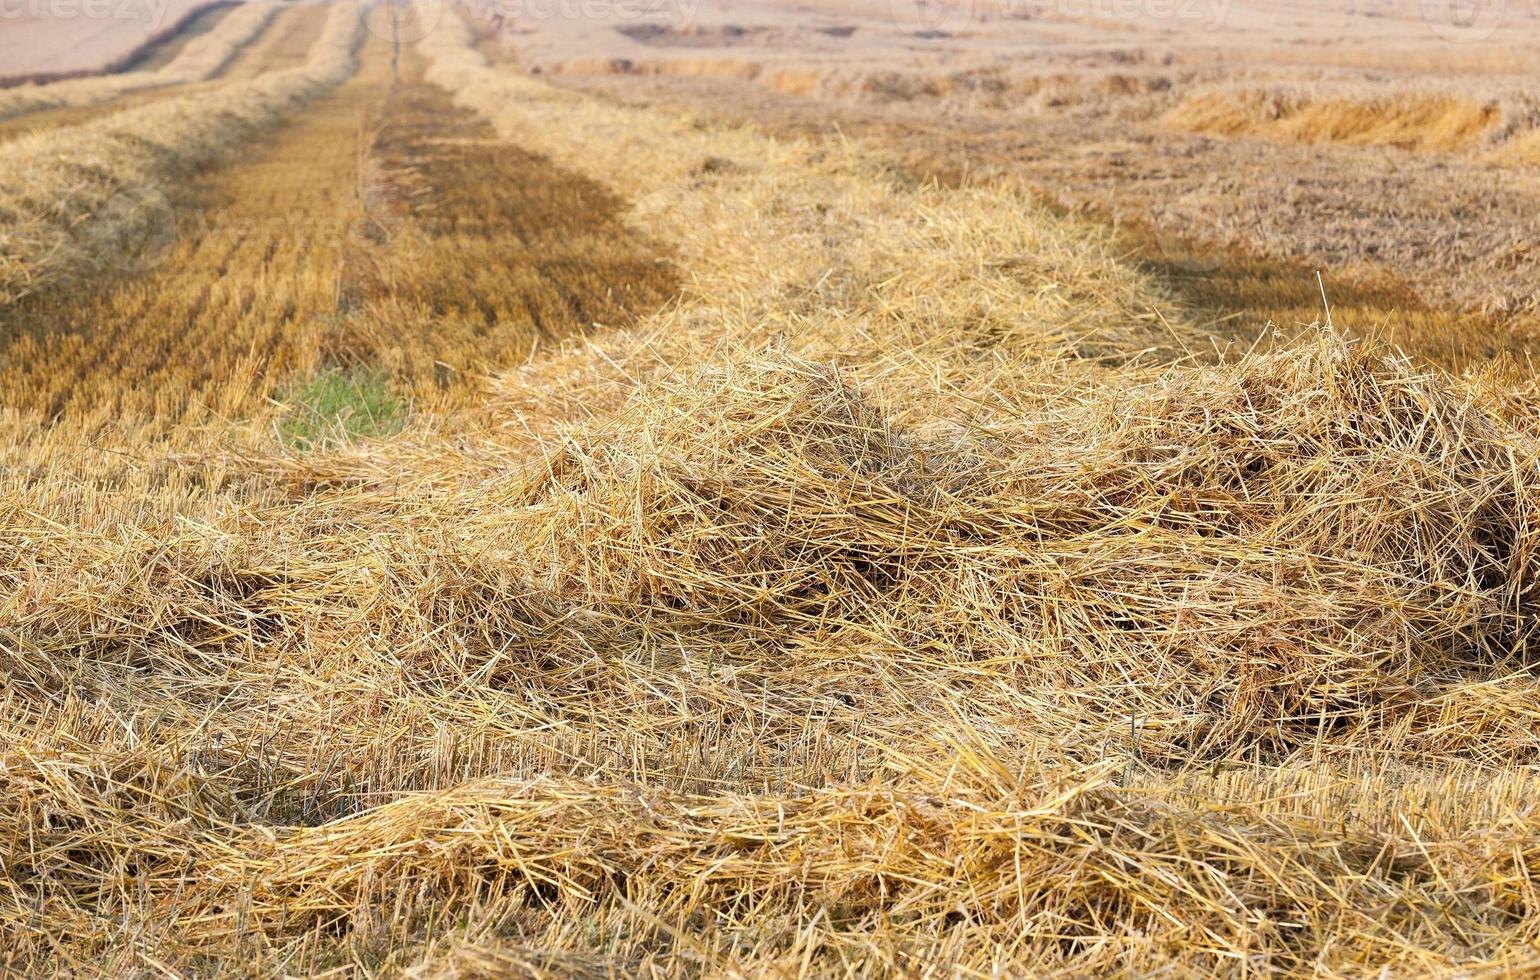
x=1414, y=121
x=1310, y=540
x=1521, y=151
x=753, y=672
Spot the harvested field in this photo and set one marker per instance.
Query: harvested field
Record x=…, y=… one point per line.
x=286, y=44
x=493, y=251
x=455, y=522
x=46, y=42
x=79, y=196
x=237, y=272
x=1402, y=161
x=201, y=58
x=240, y=51
x=1436, y=231
x=70, y=104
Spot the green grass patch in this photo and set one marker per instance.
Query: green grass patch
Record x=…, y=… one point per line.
x=339, y=405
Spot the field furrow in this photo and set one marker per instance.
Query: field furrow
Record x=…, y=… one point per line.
x=285, y=44
x=241, y=270
x=492, y=251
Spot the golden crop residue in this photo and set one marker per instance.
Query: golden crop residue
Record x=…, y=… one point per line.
x=285, y=42
x=1522, y=150
x=902, y=598
x=1237, y=296
x=383, y=228
x=44, y=119
x=78, y=199
x=231, y=288
x=1412, y=122
x=1243, y=299
x=166, y=52
x=199, y=54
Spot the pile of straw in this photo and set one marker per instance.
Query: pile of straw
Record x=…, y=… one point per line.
x=1248, y=554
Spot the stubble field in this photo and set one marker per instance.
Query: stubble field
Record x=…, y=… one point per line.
x=841, y=492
